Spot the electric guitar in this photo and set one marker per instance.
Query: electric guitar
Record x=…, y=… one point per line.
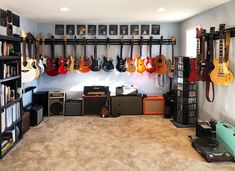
x=160, y=61
x=27, y=75
x=121, y=63
x=63, y=68
x=221, y=74
x=72, y=59
x=202, y=61
x=194, y=67
x=52, y=62
x=107, y=65
x=150, y=65
x=130, y=61
x=44, y=59
x=84, y=63
x=140, y=62
x=170, y=70
x=95, y=66
x=39, y=60
x=35, y=63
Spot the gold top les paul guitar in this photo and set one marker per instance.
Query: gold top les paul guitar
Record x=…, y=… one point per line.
x=221, y=75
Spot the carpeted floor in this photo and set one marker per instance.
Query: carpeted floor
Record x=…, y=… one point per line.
x=91, y=143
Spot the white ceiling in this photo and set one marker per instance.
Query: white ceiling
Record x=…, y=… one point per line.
x=109, y=11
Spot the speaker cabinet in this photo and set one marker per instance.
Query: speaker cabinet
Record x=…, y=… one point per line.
x=154, y=105
x=73, y=107
x=56, y=101
x=41, y=97
x=93, y=104
x=127, y=105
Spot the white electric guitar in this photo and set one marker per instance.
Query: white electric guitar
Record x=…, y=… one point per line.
x=40, y=64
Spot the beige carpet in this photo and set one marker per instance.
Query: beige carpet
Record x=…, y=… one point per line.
x=91, y=143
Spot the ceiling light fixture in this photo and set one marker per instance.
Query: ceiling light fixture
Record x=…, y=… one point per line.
x=64, y=9
x=161, y=10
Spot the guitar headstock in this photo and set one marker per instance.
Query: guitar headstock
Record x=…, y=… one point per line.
x=203, y=32
x=122, y=40
x=198, y=34
x=95, y=40
x=173, y=38
x=212, y=30
x=65, y=38
x=38, y=37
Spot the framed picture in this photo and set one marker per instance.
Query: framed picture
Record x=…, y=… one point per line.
x=123, y=29
x=70, y=29
x=59, y=29
x=102, y=30
x=81, y=29
x=91, y=29
x=155, y=29
x=113, y=29
x=144, y=29
x=134, y=29
x=3, y=20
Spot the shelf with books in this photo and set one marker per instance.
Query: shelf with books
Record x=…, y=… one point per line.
x=10, y=78
x=11, y=146
x=12, y=125
x=10, y=103
x=9, y=57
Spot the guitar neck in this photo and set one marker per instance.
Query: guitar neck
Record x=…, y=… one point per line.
x=52, y=47
x=141, y=44
x=198, y=48
x=24, y=50
x=75, y=47
x=160, y=50
x=121, y=51
x=227, y=46
x=221, y=51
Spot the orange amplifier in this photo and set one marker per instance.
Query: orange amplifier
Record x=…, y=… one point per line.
x=154, y=105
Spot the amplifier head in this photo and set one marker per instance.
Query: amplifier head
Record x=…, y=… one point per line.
x=59, y=94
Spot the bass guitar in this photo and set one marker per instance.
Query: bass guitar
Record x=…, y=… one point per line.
x=150, y=65
x=63, y=68
x=121, y=63
x=170, y=68
x=160, y=62
x=221, y=74
x=107, y=65
x=140, y=62
x=84, y=63
x=130, y=61
x=95, y=65
x=52, y=62
x=39, y=60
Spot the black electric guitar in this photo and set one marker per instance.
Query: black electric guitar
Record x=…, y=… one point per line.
x=107, y=65
x=95, y=65
x=121, y=63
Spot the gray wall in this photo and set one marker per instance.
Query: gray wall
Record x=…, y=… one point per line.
x=223, y=107
x=146, y=83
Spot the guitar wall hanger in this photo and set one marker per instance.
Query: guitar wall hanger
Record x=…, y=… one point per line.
x=216, y=34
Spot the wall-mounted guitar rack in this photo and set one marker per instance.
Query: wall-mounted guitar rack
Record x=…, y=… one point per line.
x=216, y=35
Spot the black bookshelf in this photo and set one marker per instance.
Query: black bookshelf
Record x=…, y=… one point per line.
x=9, y=57
x=10, y=78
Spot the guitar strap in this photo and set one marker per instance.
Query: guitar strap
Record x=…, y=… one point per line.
x=208, y=83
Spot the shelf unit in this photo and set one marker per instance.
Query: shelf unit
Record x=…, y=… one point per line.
x=11, y=103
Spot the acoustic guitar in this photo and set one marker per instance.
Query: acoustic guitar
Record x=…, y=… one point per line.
x=160, y=62
x=194, y=67
x=63, y=68
x=171, y=67
x=35, y=62
x=95, y=65
x=150, y=65
x=121, y=63
x=39, y=60
x=84, y=63
x=140, y=62
x=221, y=74
x=107, y=65
x=27, y=75
x=52, y=62
x=131, y=61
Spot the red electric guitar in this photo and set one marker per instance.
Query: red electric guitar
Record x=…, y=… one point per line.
x=63, y=68
x=150, y=65
x=52, y=63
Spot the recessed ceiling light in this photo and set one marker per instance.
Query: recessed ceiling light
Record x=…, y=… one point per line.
x=64, y=9
x=161, y=10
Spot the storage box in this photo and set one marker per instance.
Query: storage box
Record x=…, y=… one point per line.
x=154, y=105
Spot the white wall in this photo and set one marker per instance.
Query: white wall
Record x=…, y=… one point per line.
x=223, y=107
x=145, y=83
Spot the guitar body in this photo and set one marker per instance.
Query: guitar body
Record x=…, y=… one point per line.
x=35, y=67
x=63, y=65
x=41, y=66
x=131, y=65
x=84, y=65
x=26, y=74
x=95, y=65
x=140, y=65
x=170, y=70
x=221, y=75
x=160, y=64
x=51, y=68
x=150, y=65
x=71, y=64
x=193, y=77
x=121, y=64
x=107, y=65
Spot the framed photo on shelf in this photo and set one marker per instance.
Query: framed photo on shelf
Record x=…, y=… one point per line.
x=155, y=29
x=134, y=29
x=3, y=20
x=81, y=29
x=91, y=29
x=113, y=29
x=59, y=29
x=123, y=29
x=70, y=29
x=102, y=30
x=144, y=29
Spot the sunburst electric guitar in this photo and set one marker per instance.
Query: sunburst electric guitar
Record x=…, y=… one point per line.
x=84, y=63
x=221, y=74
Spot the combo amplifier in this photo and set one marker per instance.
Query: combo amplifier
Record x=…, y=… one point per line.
x=154, y=105
x=73, y=107
x=36, y=114
x=56, y=100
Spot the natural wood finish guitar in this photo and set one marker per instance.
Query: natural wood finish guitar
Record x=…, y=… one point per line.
x=140, y=62
x=160, y=61
x=72, y=58
x=170, y=68
x=131, y=61
x=221, y=74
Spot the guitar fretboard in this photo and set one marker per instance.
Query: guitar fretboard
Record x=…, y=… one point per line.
x=221, y=51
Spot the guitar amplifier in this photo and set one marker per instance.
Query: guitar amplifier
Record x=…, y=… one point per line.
x=93, y=104
x=154, y=105
x=95, y=90
x=36, y=114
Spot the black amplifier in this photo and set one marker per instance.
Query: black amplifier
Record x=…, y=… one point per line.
x=96, y=90
x=36, y=114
